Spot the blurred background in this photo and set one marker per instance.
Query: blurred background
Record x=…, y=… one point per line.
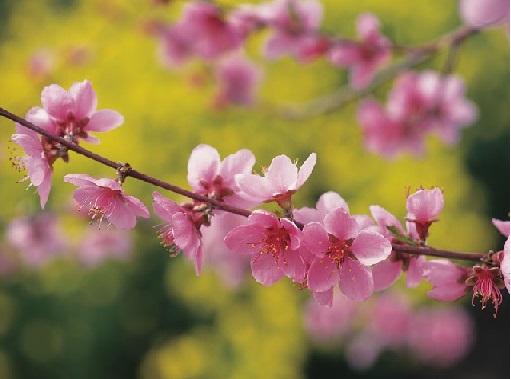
x=89, y=304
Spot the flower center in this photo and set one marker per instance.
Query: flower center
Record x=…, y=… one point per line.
x=338, y=249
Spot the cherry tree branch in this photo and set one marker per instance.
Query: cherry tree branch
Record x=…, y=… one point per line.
x=214, y=203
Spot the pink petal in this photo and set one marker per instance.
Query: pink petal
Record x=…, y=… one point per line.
x=325, y=298
x=502, y=226
x=306, y=170
x=165, y=208
x=385, y=274
x=425, y=205
x=241, y=162
x=316, y=238
x=356, y=280
x=367, y=25
x=371, y=247
x=323, y=275
x=281, y=174
x=56, y=101
x=330, y=201
x=244, y=239
x=204, y=164
x=104, y=120
x=484, y=13
x=293, y=265
x=255, y=187
x=44, y=188
x=265, y=270
x=122, y=216
x=136, y=206
x=79, y=179
x=341, y=225
x=85, y=100
x=415, y=271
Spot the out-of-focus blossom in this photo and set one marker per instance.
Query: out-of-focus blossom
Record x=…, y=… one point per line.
x=180, y=232
x=343, y=255
x=9, y=262
x=329, y=324
x=484, y=13
x=292, y=23
x=238, y=80
x=209, y=176
x=232, y=268
x=448, y=279
x=100, y=245
x=366, y=57
x=175, y=46
x=40, y=64
x=441, y=337
x=273, y=244
x=418, y=104
x=105, y=198
x=280, y=181
x=37, y=239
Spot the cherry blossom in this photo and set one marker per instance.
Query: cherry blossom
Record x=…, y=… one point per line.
x=179, y=232
x=104, y=198
x=484, y=13
x=418, y=104
x=363, y=58
x=273, y=244
x=209, y=176
x=326, y=203
x=343, y=255
x=37, y=239
x=487, y=283
x=238, y=80
x=448, y=279
x=100, y=245
x=73, y=112
x=280, y=181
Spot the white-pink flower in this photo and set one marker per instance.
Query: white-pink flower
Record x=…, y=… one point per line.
x=273, y=244
x=366, y=57
x=343, y=255
x=280, y=181
x=423, y=208
x=484, y=13
x=73, y=113
x=105, y=198
x=179, y=231
x=209, y=176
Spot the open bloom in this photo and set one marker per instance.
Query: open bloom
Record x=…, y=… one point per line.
x=74, y=112
x=281, y=180
x=209, y=176
x=274, y=245
x=343, y=255
x=180, y=232
x=104, y=198
x=366, y=57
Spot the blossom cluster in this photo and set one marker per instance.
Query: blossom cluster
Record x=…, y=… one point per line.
x=319, y=248
x=420, y=103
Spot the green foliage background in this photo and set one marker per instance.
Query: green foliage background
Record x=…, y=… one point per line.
x=151, y=317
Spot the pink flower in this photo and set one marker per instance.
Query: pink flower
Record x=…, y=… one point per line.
x=343, y=255
x=329, y=324
x=38, y=161
x=502, y=226
x=293, y=22
x=419, y=103
x=179, y=232
x=448, y=279
x=175, y=46
x=232, y=268
x=209, y=176
x=38, y=239
x=105, y=198
x=99, y=245
x=441, y=337
x=238, y=79
x=484, y=13
x=423, y=208
x=274, y=245
x=366, y=57
x=326, y=203
x=74, y=112
x=281, y=180
x=210, y=34
x=505, y=265
x=388, y=271
x=390, y=319
x=487, y=283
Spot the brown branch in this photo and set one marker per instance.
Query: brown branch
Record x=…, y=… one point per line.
x=432, y=252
